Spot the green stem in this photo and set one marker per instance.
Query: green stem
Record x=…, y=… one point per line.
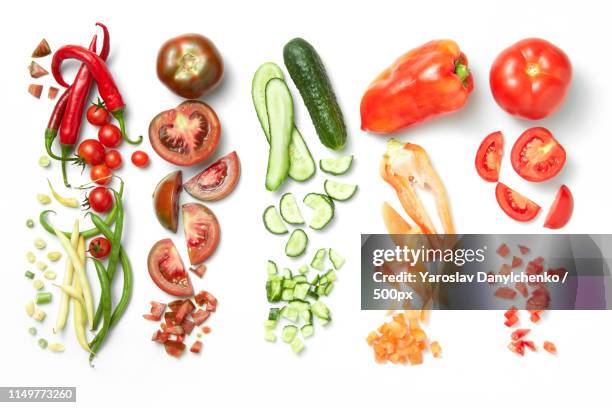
x=462, y=71
x=118, y=114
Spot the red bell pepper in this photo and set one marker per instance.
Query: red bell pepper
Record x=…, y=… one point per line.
x=426, y=81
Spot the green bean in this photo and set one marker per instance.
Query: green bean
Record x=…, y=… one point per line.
x=105, y=305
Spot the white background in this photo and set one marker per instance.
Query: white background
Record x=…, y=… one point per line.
x=356, y=41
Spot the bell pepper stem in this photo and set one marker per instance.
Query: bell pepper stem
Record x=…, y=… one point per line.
x=118, y=114
x=462, y=71
x=66, y=149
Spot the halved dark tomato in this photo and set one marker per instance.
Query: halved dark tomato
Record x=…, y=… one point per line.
x=561, y=209
x=489, y=156
x=201, y=232
x=517, y=206
x=217, y=180
x=167, y=270
x=187, y=134
x=537, y=155
x=166, y=200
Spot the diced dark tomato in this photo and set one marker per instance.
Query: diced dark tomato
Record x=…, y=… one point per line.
x=519, y=334
x=175, y=304
x=188, y=326
x=516, y=262
x=505, y=293
x=174, y=348
x=157, y=309
x=160, y=336
x=185, y=310
x=204, y=297
x=176, y=330
x=539, y=300
x=169, y=318
x=503, y=250
x=522, y=288
x=200, y=316
x=196, y=347
x=560, y=272
x=199, y=270
x=524, y=250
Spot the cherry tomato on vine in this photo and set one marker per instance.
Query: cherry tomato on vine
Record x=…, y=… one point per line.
x=91, y=152
x=97, y=114
x=100, y=174
x=109, y=135
x=100, y=199
x=99, y=247
x=140, y=158
x=112, y=159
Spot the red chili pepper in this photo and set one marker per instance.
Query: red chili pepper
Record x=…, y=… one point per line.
x=425, y=82
x=54, y=123
x=103, y=77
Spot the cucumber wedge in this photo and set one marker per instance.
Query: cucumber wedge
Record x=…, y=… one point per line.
x=289, y=210
x=271, y=268
x=323, y=208
x=336, y=259
x=339, y=191
x=336, y=165
x=273, y=221
x=280, y=118
x=297, y=243
x=301, y=164
x=318, y=261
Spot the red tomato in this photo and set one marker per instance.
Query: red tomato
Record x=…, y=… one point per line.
x=140, y=158
x=217, y=180
x=109, y=135
x=167, y=270
x=201, y=232
x=489, y=155
x=99, y=247
x=530, y=79
x=515, y=205
x=561, y=210
x=100, y=199
x=112, y=159
x=100, y=174
x=91, y=152
x=536, y=155
x=97, y=114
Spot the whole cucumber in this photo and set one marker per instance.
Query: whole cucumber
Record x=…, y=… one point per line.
x=308, y=74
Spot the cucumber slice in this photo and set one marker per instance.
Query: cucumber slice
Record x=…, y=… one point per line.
x=330, y=276
x=336, y=259
x=318, y=261
x=321, y=311
x=271, y=268
x=307, y=330
x=290, y=313
x=297, y=243
x=289, y=210
x=300, y=279
x=336, y=165
x=339, y=191
x=273, y=222
x=287, y=273
x=289, y=333
x=301, y=164
x=299, y=305
x=297, y=345
x=323, y=208
x=279, y=104
x=287, y=295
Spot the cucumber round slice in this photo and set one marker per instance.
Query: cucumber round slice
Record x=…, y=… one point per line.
x=339, y=191
x=273, y=222
x=289, y=210
x=323, y=208
x=336, y=165
x=297, y=243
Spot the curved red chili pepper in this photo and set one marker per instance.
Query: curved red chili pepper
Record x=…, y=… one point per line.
x=54, y=123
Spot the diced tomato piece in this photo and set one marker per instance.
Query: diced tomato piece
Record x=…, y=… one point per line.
x=188, y=326
x=539, y=300
x=535, y=315
x=179, y=338
x=435, y=348
x=516, y=262
x=151, y=317
x=550, y=347
x=206, y=329
x=503, y=250
x=157, y=309
x=199, y=270
x=200, y=316
x=176, y=330
x=52, y=92
x=533, y=268
x=35, y=90
x=505, y=270
x=169, y=318
x=510, y=312
x=196, y=347
x=160, y=336
x=523, y=249
x=511, y=321
x=539, y=260
x=519, y=334
x=174, y=348
x=205, y=297
x=522, y=288
x=185, y=310
x=529, y=344
x=517, y=347
x=175, y=304
x=505, y=293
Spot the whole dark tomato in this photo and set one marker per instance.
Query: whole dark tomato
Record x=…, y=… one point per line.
x=112, y=159
x=100, y=199
x=99, y=247
x=190, y=65
x=91, y=152
x=97, y=114
x=530, y=79
x=109, y=135
x=100, y=174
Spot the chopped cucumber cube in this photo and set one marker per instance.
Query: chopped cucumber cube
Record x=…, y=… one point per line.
x=272, y=268
x=289, y=333
x=274, y=313
x=270, y=336
x=318, y=261
x=320, y=310
x=307, y=330
x=336, y=259
x=301, y=290
x=297, y=345
x=303, y=269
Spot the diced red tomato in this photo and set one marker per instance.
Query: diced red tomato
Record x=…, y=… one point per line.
x=169, y=318
x=206, y=329
x=160, y=336
x=196, y=347
x=505, y=270
x=199, y=270
x=505, y=293
x=175, y=304
x=188, y=326
x=503, y=250
x=176, y=330
x=516, y=262
x=200, y=316
x=529, y=344
x=539, y=260
x=204, y=297
x=185, y=310
x=535, y=315
x=157, y=309
x=511, y=321
x=539, y=300
x=523, y=249
x=510, y=312
x=522, y=288
x=519, y=334
x=550, y=347
x=174, y=348
x=517, y=347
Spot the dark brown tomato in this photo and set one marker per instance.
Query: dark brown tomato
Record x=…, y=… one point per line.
x=166, y=200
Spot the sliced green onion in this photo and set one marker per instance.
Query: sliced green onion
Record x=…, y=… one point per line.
x=43, y=298
x=42, y=343
x=32, y=331
x=30, y=223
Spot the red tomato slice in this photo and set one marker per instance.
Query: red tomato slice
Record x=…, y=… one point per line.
x=489, y=156
x=167, y=270
x=217, y=180
x=537, y=155
x=201, y=232
x=561, y=209
x=515, y=205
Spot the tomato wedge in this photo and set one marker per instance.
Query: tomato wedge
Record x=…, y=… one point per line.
x=515, y=205
x=167, y=270
x=217, y=180
x=537, y=155
x=561, y=209
x=489, y=156
x=201, y=232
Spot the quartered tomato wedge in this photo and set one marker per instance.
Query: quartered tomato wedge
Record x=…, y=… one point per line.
x=166, y=200
x=537, y=155
x=489, y=155
x=167, y=270
x=187, y=134
x=561, y=209
x=201, y=232
x=515, y=205
x=217, y=180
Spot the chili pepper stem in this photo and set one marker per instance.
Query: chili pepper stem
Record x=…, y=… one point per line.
x=462, y=71
x=118, y=114
x=66, y=149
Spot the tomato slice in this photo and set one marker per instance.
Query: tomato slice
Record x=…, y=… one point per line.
x=489, y=156
x=217, y=180
x=201, y=232
x=537, y=155
x=561, y=209
x=515, y=205
x=167, y=270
